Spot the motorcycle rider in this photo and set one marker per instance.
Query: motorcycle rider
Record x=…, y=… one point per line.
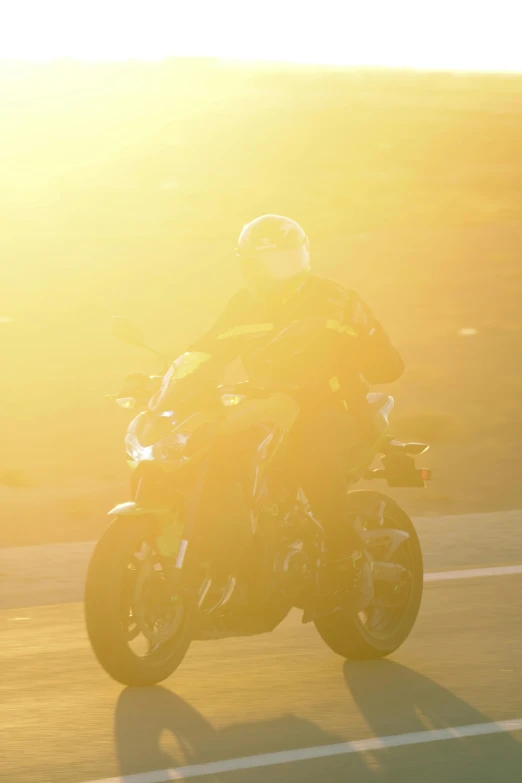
x=337, y=349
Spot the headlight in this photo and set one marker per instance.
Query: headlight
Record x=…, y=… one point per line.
x=174, y=447
x=135, y=450
x=171, y=447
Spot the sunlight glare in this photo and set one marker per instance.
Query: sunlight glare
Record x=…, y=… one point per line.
x=443, y=35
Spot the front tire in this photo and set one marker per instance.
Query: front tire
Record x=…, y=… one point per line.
x=345, y=632
x=115, y=618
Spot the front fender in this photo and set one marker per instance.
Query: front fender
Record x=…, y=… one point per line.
x=169, y=539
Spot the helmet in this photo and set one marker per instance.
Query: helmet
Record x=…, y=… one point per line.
x=274, y=256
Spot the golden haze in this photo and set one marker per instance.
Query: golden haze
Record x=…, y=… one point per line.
x=123, y=189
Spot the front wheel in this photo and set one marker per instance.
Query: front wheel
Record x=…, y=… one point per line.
x=139, y=628
x=389, y=619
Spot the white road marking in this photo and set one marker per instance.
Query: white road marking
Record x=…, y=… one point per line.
x=472, y=573
x=322, y=751
x=36, y=591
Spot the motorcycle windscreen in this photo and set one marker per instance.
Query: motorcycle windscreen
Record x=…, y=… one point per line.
x=183, y=379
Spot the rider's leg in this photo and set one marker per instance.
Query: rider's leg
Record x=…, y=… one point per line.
x=326, y=445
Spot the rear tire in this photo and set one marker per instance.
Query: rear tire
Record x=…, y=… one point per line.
x=104, y=615
x=344, y=631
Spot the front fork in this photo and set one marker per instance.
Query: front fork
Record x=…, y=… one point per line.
x=174, y=524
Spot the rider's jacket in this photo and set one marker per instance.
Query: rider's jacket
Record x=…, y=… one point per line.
x=334, y=346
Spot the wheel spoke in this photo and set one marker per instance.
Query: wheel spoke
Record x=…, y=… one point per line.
x=149, y=620
x=377, y=615
x=388, y=544
x=132, y=633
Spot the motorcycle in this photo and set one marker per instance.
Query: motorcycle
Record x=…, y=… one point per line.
x=219, y=539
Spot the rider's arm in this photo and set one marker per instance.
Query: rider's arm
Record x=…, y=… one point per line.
x=221, y=341
x=380, y=361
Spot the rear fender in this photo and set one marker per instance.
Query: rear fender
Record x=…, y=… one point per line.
x=169, y=539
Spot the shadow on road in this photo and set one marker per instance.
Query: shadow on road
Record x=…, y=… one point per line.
x=156, y=729
x=394, y=699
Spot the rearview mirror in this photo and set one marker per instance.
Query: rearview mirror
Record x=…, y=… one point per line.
x=127, y=331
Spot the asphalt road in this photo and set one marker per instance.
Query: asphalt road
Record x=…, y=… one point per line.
x=62, y=719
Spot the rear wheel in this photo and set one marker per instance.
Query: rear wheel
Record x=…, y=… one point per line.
x=139, y=628
x=388, y=620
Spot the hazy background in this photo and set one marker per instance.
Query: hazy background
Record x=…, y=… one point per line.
x=122, y=190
